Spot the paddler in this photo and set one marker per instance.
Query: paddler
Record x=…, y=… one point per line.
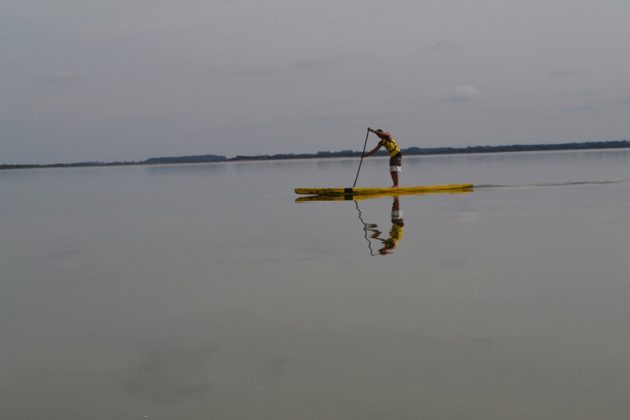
x=395, y=159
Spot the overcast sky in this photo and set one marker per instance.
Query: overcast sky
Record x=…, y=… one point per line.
x=85, y=80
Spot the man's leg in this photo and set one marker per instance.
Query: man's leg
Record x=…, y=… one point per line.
x=394, y=168
x=394, y=175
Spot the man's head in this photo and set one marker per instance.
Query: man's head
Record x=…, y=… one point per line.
x=383, y=134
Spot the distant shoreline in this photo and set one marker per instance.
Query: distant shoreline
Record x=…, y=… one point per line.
x=411, y=151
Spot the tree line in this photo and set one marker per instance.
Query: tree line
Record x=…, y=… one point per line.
x=608, y=144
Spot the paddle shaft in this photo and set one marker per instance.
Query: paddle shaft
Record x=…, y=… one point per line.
x=362, y=154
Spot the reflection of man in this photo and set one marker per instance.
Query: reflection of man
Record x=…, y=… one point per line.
x=396, y=232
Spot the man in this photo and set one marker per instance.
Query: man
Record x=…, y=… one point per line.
x=395, y=159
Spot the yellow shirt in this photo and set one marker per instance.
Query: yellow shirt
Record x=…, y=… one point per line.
x=391, y=146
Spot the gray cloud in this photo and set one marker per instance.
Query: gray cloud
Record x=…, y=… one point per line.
x=260, y=120
x=464, y=93
x=311, y=64
x=221, y=73
x=582, y=109
x=591, y=92
x=59, y=77
x=444, y=46
x=566, y=72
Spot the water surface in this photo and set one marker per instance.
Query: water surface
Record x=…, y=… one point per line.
x=206, y=291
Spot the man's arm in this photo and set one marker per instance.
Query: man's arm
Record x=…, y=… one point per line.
x=371, y=152
x=381, y=134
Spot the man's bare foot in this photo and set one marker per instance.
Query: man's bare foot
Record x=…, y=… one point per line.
x=394, y=186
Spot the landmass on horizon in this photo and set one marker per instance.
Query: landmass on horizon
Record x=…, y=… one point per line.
x=410, y=151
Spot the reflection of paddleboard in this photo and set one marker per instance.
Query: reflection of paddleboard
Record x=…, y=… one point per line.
x=382, y=191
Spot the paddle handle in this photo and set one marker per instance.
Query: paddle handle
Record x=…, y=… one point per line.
x=362, y=154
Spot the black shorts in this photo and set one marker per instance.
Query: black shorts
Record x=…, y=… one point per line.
x=395, y=162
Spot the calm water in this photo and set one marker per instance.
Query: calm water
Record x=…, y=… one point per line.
x=206, y=292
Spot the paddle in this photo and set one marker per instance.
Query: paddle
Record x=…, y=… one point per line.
x=362, y=154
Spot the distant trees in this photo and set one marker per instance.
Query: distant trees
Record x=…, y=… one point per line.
x=607, y=144
x=184, y=159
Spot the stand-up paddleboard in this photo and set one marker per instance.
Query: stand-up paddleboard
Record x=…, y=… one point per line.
x=373, y=196
x=350, y=192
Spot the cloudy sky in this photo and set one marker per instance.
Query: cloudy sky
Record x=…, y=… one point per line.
x=131, y=79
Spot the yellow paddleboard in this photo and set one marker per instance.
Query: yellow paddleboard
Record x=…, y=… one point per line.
x=373, y=196
x=383, y=191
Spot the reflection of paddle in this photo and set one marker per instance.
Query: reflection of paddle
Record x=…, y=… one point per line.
x=361, y=161
x=367, y=227
x=395, y=234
